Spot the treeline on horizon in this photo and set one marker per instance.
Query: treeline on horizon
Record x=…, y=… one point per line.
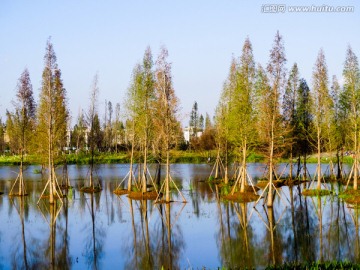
x=268, y=110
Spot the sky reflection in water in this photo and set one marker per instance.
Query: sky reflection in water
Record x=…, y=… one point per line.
x=104, y=231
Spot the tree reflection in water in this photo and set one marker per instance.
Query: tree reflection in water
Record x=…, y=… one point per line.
x=157, y=244
x=23, y=255
x=94, y=232
x=56, y=247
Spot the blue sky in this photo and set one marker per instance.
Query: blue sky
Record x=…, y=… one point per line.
x=110, y=37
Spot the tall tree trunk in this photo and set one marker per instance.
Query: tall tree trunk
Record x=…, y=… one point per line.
x=305, y=168
x=298, y=167
x=226, y=178
x=167, y=179
x=243, y=176
x=338, y=174
x=271, y=164
x=318, y=159
x=131, y=162
x=51, y=180
x=144, y=182
x=356, y=165
x=291, y=163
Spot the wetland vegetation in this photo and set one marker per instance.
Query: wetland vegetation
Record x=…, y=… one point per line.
x=128, y=202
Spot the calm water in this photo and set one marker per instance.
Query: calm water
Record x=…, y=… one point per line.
x=104, y=231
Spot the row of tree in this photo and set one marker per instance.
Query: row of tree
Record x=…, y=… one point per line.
x=263, y=110
x=275, y=113
x=151, y=121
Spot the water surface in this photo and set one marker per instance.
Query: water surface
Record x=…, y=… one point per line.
x=105, y=231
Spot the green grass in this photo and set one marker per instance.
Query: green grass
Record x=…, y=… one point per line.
x=176, y=156
x=316, y=192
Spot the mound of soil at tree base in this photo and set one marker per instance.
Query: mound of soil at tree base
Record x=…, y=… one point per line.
x=242, y=197
x=65, y=187
x=316, y=192
x=294, y=182
x=351, y=196
x=16, y=194
x=121, y=191
x=277, y=183
x=213, y=180
x=90, y=189
x=148, y=195
x=251, y=188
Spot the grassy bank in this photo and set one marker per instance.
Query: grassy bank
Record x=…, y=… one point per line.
x=176, y=156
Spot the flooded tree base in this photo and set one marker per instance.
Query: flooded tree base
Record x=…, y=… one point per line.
x=213, y=180
x=251, y=188
x=121, y=191
x=242, y=197
x=148, y=195
x=294, y=182
x=351, y=196
x=316, y=192
x=91, y=189
x=65, y=187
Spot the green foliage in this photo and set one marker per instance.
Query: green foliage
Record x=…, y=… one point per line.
x=316, y=192
x=52, y=113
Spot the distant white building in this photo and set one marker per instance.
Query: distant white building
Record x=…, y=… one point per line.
x=188, y=131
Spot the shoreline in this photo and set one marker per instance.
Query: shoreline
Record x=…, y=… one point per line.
x=177, y=157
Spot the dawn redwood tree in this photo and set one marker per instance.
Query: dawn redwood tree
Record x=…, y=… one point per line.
x=222, y=116
x=288, y=108
x=339, y=122
x=321, y=107
x=22, y=125
x=208, y=124
x=108, y=126
x=242, y=113
x=79, y=131
x=351, y=99
x=303, y=123
x=118, y=127
x=166, y=108
x=132, y=105
x=272, y=128
x=52, y=115
x=2, y=132
x=146, y=96
x=94, y=139
x=194, y=123
x=201, y=122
